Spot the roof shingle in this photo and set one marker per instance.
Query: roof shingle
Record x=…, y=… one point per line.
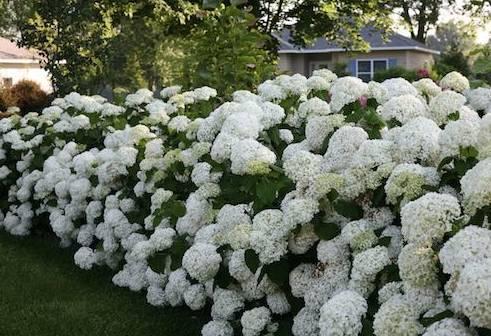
x=9, y=50
x=372, y=36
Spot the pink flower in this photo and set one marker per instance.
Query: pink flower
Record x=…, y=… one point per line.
x=423, y=73
x=363, y=100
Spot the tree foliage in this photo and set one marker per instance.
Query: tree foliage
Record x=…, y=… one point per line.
x=227, y=49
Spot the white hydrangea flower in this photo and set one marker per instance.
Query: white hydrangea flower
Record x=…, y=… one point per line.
x=403, y=108
x=176, y=287
x=448, y=327
x=456, y=135
x=85, y=258
x=278, y=303
x=201, y=261
x=179, y=123
x=427, y=87
x=342, y=314
x=302, y=167
x=195, y=297
x=445, y=104
x=416, y=140
x=286, y=135
x=342, y=146
x=397, y=317
x=389, y=290
x=255, y=320
x=327, y=74
x=479, y=99
x=454, y=81
x=271, y=91
x=368, y=263
x=359, y=235
x=319, y=127
x=217, y=328
x=269, y=235
x=472, y=293
x=468, y=245
x=429, y=217
x=398, y=87
x=251, y=157
x=346, y=90
x=226, y=303
x=306, y=323
x=407, y=180
x=475, y=187
x=318, y=83
x=418, y=266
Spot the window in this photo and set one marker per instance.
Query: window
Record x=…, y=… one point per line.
x=367, y=67
x=318, y=65
x=7, y=82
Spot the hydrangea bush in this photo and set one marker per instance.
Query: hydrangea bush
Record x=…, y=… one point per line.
x=316, y=206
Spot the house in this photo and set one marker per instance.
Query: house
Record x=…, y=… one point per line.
x=19, y=63
x=396, y=51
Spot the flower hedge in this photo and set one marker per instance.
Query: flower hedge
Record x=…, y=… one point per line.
x=318, y=206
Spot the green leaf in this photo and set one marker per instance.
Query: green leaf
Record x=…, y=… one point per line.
x=460, y=166
x=384, y=241
x=483, y=331
x=427, y=321
x=429, y=187
x=445, y=162
x=223, y=278
x=252, y=260
x=367, y=329
x=157, y=262
x=379, y=196
x=348, y=209
x=454, y=116
x=175, y=208
x=332, y=195
x=393, y=123
x=326, y=231
x=278, y=272
x=469, y=152
x=284, y=328
x=177, y=251
x=477, y=219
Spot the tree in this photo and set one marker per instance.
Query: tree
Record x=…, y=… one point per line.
x=482, y=64
x=339, y=21
x=227, y=53
x=90, y=44
x=454, y=35
x=421, y=16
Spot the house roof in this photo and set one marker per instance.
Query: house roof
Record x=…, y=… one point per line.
x=10, y=52
x=374, y=38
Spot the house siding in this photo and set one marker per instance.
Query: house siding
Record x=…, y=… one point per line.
x=30, y=71
x=292, y=63
x=301, y=63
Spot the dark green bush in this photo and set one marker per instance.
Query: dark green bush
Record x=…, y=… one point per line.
x=452, y=61
x=409, y=75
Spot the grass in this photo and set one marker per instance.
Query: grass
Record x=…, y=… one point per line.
x=43, y=293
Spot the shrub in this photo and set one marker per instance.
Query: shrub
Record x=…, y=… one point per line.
x=452, y=61
x=6, y=99
x=395, y=72
x=28, y=96
x=286, y=213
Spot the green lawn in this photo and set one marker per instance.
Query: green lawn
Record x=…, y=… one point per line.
x=42, y=293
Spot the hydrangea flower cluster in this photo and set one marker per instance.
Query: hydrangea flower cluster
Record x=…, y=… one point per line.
x=315, y=206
